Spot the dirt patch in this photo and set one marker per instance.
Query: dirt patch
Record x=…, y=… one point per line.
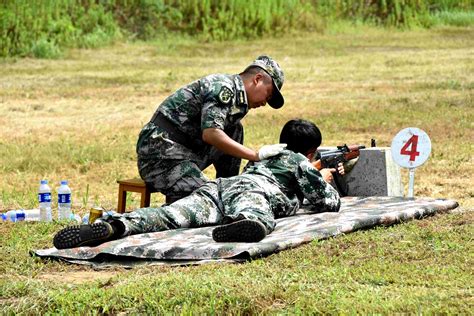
x=78, y=277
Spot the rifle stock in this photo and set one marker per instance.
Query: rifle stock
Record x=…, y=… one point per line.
x=317, y=164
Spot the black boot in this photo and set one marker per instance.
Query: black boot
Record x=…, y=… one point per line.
x=84, y=235
x=245, y=230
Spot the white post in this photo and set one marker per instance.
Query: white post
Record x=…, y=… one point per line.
x=411, y=182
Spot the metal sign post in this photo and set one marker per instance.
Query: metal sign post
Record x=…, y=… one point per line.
x=410, y=148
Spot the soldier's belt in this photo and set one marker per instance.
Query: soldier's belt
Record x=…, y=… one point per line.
x=175, y=134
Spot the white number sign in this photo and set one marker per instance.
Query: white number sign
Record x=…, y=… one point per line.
x=411, y=147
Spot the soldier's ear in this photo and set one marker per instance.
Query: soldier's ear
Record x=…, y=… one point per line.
x=312, y=154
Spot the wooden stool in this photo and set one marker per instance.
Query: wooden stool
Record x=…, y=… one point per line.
x=133, y=185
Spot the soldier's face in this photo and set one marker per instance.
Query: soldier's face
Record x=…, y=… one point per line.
x=260, y=92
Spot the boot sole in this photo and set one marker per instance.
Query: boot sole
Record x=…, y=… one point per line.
x=240, y=231
x=83, y=235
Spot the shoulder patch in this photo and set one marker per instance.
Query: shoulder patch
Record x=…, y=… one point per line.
x=241, y=96
x=225, y=95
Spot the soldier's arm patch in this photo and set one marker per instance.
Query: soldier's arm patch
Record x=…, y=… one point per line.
x=225, y=95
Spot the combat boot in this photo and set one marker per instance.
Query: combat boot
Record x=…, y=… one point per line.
x=245, y=230
x=84, y=235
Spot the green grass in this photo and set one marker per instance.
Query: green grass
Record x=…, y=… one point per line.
x=421, y=266
x=454, y=18
x=78, y=118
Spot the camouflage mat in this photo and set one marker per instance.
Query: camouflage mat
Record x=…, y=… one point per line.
x=195, y=246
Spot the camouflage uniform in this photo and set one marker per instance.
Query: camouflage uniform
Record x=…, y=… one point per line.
x=172, y=164
x=267, y=190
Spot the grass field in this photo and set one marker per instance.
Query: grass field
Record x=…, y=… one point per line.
x=78, y=118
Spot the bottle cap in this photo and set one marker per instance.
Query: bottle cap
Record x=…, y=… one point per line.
x=63, y=182
x=44, y=181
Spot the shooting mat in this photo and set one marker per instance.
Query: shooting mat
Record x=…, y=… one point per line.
x=195, y=246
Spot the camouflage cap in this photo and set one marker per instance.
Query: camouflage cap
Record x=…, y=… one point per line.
x=274, y=70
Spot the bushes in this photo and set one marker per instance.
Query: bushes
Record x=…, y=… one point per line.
x=398, y=13
x=43, y=28
x=212, y=19
x=455, y=18
x=44, y=48
x=224, y=20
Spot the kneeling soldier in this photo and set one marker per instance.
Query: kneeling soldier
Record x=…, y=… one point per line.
x=199, y=125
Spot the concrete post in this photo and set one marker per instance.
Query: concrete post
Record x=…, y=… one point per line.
x=375, y=174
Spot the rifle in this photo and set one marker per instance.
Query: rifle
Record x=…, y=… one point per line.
x=331, y=158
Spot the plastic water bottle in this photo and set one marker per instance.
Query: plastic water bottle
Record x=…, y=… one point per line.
x=44, y=194
x=10, y=216
x=21, y=215
x=44, y=199
x=14, y=216
x=45, y=214
x=32, y=215
x=64, y=201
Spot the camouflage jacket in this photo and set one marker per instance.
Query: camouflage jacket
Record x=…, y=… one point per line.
x=215, y=101
x=291, y=177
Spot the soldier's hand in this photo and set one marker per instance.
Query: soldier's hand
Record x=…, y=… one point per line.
x=340, y=169
x=327, y=174
x=270, y=151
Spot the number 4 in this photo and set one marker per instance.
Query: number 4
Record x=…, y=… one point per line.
x=413, y=142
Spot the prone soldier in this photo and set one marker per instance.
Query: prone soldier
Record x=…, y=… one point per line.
x=245, y=206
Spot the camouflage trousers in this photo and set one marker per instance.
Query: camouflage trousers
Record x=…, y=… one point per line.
x=176, y=170
x=217, y=202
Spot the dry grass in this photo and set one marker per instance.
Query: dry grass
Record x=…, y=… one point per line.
x=371, y=84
